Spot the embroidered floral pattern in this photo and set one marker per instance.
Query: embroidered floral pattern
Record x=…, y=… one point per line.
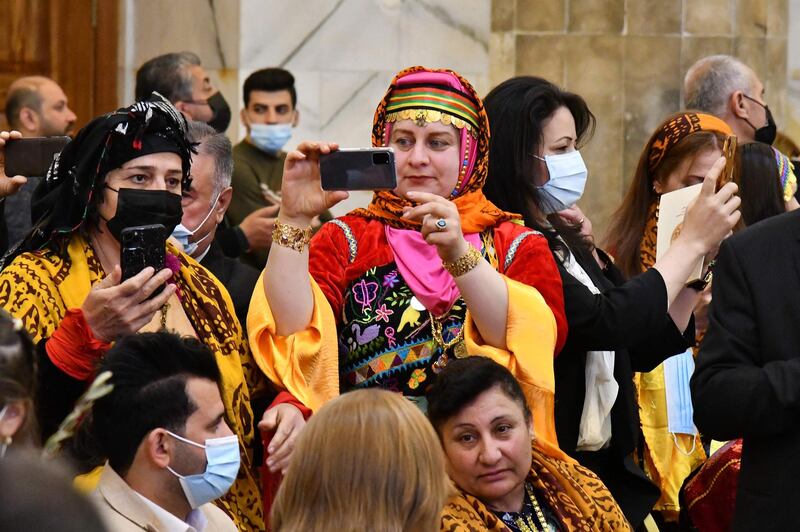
x=384, y=340
x=417, y=377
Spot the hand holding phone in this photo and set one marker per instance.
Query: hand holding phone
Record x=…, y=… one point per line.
x=143, y=246
x=302, y=196
x=358, y=169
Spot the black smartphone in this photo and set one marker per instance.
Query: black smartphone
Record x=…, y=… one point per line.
x=31, y=157
x=358, y=169
x=143, y=246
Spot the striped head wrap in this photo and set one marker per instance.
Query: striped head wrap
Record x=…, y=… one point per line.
x=786, y=176
x=676, y=129
x=424, y=103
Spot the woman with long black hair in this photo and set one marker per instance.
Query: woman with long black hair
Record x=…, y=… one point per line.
x=615, y=327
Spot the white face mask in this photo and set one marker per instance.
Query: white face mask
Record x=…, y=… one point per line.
x=567, y=180
x=182, y=233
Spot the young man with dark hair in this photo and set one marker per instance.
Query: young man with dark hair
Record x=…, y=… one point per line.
x=269, y=114
x=170, y=450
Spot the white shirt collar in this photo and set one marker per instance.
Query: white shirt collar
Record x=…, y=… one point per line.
x=195, y=522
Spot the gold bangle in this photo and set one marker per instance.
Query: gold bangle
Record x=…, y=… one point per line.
x=465, y=263
x=290, y=236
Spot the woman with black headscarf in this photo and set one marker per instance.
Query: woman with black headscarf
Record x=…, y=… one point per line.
x=63, y=280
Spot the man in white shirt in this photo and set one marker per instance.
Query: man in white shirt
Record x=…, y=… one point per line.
x=170, y=451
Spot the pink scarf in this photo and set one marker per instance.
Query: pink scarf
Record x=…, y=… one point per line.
x=421, y=267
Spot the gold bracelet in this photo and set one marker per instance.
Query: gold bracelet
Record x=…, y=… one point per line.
x=290, y=236
x=465, y=263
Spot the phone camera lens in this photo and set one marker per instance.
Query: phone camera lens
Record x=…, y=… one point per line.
x=380, y=158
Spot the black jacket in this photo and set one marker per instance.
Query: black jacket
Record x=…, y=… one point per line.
x=239, y=279
x=747, y=379
x=631, y=319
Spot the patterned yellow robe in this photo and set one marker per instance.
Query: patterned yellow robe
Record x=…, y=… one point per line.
x=39, y=287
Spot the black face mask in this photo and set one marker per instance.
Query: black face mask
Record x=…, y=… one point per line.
x=222, y=112
x=767, y=133
x=137, y=207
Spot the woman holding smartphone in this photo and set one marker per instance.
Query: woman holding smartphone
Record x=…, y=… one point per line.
x=64, y=280
x=431, y=270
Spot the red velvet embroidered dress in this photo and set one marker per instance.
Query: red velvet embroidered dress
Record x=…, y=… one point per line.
x=383, y=339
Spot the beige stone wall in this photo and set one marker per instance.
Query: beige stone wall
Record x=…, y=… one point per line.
x=627, y=58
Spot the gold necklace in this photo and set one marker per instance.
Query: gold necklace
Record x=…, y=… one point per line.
x=527, y=524
x=437, y=332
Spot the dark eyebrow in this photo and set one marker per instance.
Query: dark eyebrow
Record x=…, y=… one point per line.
x=148, y=168
x=216, y=421
x=401, y=130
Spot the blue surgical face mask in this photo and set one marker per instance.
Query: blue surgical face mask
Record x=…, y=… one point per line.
x=678, y=371
x=567, y=180
x=270, y=137
x=222, y=457
x=181, y=233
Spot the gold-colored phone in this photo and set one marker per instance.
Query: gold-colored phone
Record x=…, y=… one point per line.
x=729, y=151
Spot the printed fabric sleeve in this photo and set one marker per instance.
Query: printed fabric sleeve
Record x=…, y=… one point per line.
x=531, y=335
x=306, y=363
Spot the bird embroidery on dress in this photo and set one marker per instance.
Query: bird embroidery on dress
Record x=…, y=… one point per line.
x=368, y=334
x=410, y=317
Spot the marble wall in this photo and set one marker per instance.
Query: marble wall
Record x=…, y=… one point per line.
x=344, y=53
x=628, y=59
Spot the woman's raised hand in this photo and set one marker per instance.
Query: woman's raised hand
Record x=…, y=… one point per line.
x=713, y=214
x=441, y=224
x=302, y=197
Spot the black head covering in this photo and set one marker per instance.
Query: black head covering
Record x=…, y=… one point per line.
x=60, y=204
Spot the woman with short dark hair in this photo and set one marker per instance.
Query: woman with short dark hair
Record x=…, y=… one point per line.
x=505, y=483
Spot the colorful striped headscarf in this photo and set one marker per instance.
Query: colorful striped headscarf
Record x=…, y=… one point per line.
x=786, y=175
x=426, y=95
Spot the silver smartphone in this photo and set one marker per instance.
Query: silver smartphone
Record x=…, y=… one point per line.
x=358, y=169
